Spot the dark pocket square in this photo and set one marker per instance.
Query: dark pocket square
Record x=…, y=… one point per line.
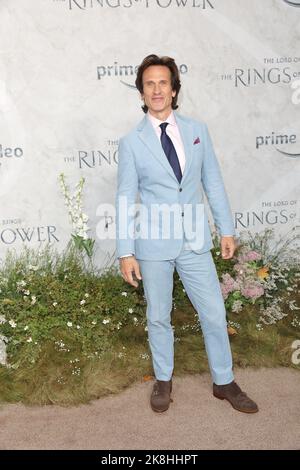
x=197, y=141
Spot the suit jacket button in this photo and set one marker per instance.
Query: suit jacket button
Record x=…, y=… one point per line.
x=180, y=189
x=182, y=213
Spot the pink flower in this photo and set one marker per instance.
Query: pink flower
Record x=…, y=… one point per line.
x=253, y=256
x=224, y=291
x=252, y=291
x=228, y=285
x=250, y=256
x=239, y=267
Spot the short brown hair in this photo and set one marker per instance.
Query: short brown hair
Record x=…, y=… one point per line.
x=153, y=59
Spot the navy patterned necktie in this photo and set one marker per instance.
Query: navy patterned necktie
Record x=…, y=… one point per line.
x=170, y=151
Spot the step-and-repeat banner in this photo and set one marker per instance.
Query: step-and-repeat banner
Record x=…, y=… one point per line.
x=67, y=72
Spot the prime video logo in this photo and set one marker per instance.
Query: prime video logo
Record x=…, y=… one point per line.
x=293, y=3
x=116, y=70
x=273, y=140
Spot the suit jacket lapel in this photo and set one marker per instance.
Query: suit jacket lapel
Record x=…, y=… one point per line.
x=186, y=133
x=148, y=136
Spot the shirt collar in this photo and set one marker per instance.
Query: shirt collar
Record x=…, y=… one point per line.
x=156, y=122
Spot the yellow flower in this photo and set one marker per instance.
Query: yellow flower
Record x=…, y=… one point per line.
x=262, y=273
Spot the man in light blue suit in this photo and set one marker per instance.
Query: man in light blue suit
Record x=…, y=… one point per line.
x=169, y=162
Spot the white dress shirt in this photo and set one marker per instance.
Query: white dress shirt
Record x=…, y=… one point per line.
x=174, y=134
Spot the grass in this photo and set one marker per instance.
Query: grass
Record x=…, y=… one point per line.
x=52, y=380
x=68, y=366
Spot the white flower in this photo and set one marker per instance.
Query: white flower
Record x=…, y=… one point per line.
x=234, y=324
x=74, y=205
x=29, y=340
x=82, y=302
x=272, y=314
x=2, y=319
x=12, y=323
x=82, y=234
x=33, y=268
x=26, y=292
x=25, y=328
x=105, y=322
x=295, y=322
x=124, y=293
x=130, y=310
x=145, y=356
x=237, y=306
x=135, y=319
x=33, y=299
x=69, y=324
x=292, y=305
x=94, y=322
x=78, y=327
x=54, y=304
x=86, y=295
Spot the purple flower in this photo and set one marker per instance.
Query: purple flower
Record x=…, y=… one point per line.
x=252, y=291
x=249, y=256
x=228, y=285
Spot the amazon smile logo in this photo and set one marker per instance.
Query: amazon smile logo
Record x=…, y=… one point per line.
x=293, y=3
x=287, y=154
x=276, y=140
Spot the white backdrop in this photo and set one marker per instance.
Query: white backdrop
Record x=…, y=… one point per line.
x=67, y=69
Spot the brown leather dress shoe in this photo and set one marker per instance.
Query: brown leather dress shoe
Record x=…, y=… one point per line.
x=238, y=399
x=161, y=395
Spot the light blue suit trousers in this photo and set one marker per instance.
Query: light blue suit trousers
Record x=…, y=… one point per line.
x=199, y=277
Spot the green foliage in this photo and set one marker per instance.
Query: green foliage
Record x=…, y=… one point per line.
x=82, y=244
x=74, y=333
x=52, y=298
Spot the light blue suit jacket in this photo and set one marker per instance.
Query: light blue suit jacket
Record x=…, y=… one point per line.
x=144, y=170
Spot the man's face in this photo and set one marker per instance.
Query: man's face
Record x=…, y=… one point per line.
x=157, y=90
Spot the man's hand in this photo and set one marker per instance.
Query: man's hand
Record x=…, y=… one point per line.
x=129, y=267
x=227, y=247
